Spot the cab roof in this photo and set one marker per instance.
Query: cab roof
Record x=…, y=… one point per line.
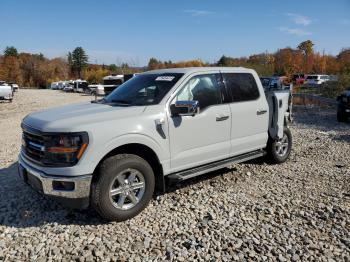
x=188, y=70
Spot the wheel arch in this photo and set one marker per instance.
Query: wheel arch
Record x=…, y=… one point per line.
x=144, y=152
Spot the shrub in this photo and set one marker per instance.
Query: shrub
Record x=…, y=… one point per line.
x=333, y=88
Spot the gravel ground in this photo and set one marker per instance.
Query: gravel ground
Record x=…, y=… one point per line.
x=299, y=210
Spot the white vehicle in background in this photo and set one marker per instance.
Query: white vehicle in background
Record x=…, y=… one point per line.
x=68, y=86
x=54, y=85
x=62, y=84
x=80, y=86
x=14, y=86
x=316, y=80
x=6, y=92
x=96, y=89
x=111, y=82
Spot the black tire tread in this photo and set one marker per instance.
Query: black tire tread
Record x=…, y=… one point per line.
x=271, y=156
x=97, y=189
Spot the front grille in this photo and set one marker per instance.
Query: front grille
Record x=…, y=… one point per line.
x=33, y=146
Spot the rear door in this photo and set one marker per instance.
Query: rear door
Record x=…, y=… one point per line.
x=204, y=137
x=249, y=111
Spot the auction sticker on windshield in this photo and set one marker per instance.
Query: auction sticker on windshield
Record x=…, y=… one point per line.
x=165, y=78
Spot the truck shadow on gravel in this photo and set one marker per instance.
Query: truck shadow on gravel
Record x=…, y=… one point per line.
x=21, y=206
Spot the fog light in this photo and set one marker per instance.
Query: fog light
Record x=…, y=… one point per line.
x=63, y=185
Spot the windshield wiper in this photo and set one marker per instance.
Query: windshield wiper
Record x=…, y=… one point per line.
x=121, y=102
x=100, y=101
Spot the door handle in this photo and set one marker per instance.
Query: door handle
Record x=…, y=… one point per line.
x=221, y=118
x=261, y=112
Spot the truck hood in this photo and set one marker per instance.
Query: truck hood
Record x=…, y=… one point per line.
x=77, y=117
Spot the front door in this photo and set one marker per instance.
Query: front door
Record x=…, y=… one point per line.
x=204, y=137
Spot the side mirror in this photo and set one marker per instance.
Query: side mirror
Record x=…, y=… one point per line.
x=184, y=108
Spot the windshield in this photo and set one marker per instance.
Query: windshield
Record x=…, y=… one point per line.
x=144, y=89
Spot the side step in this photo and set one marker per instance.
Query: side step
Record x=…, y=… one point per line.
x=189, y=173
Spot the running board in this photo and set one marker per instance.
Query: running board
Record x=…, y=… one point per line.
x=189, y=173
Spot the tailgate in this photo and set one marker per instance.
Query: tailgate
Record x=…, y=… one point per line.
x=280, y=108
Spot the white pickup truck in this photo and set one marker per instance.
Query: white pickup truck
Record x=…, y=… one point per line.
x=163, y=125
x=6, y=92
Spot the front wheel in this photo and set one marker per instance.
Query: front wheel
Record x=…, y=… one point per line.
x=279, y=150
x=124, y=187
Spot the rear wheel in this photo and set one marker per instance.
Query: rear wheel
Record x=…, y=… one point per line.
x=279, y=150
x=124, y=187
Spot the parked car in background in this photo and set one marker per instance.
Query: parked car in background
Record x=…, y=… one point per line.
x=316, y=80
x=161, y=125
x=298, y=79
x=275, y=83
x=63, y=84
x=6, y=92
x=14, y=86
x=343, y=109
x=80, y=86
x=111, y=82
x=68, y=86
x=96, y=89
x=54, y=86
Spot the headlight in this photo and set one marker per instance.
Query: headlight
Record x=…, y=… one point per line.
x=64, y=149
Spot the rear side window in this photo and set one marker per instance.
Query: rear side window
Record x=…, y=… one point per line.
x=241, y=86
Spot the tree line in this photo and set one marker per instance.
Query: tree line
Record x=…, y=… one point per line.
x=35, y=70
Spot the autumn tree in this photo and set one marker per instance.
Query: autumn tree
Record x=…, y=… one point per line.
x=343, y=59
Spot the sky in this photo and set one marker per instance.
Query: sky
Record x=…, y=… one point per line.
x=133, y=31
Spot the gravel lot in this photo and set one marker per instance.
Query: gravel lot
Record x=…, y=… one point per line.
x=299, y=210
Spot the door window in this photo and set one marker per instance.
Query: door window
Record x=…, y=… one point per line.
x=242, y=86
x=203, y=88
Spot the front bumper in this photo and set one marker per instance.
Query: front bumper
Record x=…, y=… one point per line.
x=77, y=187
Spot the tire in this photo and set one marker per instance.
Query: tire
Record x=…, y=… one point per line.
x=113, y=190
x=341, y=117
x=275, y=154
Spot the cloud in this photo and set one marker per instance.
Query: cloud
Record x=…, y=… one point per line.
x=299, y=19
x=294, y=31
x=199, y=12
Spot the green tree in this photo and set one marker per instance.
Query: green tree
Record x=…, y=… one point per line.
x=307, y=48
x=78, y=60
x=113, y=68
x=224, y=61
x=153, y=63
x=10, y=51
